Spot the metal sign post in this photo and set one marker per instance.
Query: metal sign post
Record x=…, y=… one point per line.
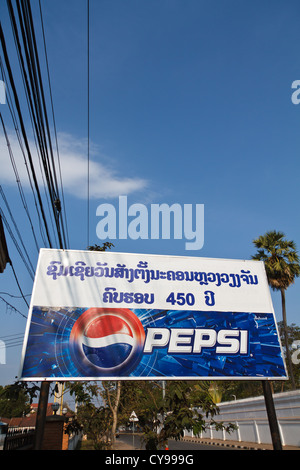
x=41, y=415
x=271, y=412
x=133, y=418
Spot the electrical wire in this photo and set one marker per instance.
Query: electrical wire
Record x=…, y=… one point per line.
x=38, y=106
x=16, y=244
x=12, y=337
x=21, y=192
x=27, y=51
x=12, y=307
x=33, y=83
x=27, y=13
x=17, y=281
x=16, y=228
x=17, y=104
x=10, y=341
x=53, y=117
x=15, y=296
x=18, y=180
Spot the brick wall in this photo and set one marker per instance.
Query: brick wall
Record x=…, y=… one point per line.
x=54, y=436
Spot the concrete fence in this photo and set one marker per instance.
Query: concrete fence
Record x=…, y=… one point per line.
x=250, y=417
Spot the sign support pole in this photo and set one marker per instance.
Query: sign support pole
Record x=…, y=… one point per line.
x=271, y=412
x=133, y=434
x=41, y=415
x=133, y=418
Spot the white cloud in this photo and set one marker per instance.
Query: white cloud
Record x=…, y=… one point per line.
x=104, y=180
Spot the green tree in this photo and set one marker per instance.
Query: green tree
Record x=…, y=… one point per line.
x=105, y=246
x=14, y=401
x=95, y=422
x=146, y=399
x=111, y=395
x=189, y=406
x=282, y=267
x=93, y=417
x=98, y=409
x=162, y=416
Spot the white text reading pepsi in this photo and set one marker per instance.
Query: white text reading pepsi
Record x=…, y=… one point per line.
x=190, y=340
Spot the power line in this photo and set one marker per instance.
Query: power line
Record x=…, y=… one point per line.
x=11, y=345
x=16, y=228
x=22, y=195
x=17, y=281
x=11, y=341
x=27, y=52
x=18, y=180
x=28, y=95
x=6, y=58
x=12, y=307
x=16, y=244
x=33, y=84
x=22, y=150
x=39, y=107
x=19, y=110
x=15, y=296
x=53, y=116
x=14, y=335
x=56, y=203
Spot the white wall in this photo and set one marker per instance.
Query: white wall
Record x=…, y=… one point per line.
x=251, y=418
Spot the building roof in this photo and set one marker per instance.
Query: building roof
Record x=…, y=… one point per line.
x=26, y=421
x=34, y=408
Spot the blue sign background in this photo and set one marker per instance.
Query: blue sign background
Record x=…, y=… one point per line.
x=49, y=353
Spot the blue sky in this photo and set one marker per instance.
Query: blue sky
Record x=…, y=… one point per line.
x=190, y=103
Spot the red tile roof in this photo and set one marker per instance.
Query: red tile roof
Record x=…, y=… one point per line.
x=26, y=421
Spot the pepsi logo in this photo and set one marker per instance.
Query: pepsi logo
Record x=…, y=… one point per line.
x=107, y=341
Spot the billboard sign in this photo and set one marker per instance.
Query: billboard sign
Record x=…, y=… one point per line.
x=107, y=316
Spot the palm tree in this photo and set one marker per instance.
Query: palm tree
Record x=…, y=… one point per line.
x=282, y=267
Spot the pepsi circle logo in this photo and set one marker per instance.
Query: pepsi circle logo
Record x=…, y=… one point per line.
x=107, y=342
